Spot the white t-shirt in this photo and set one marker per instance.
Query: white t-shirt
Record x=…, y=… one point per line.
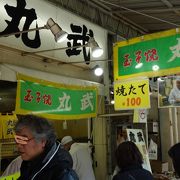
x=13, y=167
x=82, y=162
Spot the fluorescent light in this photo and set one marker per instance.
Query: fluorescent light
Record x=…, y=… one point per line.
x=155, y=68
x=161, y=80
x=111, y=92
x=98, y=71
x=96, y=50
x=139, y=65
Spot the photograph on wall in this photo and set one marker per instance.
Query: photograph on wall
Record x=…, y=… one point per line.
x=169, y=91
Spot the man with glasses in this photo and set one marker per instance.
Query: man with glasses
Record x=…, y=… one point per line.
x=43, y=157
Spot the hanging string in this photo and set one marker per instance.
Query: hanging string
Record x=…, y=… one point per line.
x=137, y=12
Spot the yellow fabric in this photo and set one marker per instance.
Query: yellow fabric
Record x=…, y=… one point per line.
x=11, y=177
x=8, y=122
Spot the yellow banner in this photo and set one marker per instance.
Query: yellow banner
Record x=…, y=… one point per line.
x=8, y=122
x=132, y=94
x=11, y=177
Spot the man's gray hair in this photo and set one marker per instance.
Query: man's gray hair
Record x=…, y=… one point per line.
x=40, y=128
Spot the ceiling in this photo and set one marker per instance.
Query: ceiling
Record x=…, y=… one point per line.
x=127, y=18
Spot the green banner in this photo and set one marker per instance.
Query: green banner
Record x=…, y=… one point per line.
x=55, y=100
x=152, y=55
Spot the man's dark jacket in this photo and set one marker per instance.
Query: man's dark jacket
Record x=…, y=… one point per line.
x=53, y=164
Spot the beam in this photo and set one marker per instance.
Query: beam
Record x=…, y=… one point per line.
x=160, y=10
x=115, y=114
x=169, y=5
x=120, y=17
x=101, y=19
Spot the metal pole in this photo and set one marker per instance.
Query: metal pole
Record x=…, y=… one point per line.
x=171, y=127
x=146, y=135
x=55, y=49
x=89, y=129
x=24, y=31
x=176, y=125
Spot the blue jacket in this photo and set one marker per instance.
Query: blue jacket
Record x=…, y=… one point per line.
x=135, y=172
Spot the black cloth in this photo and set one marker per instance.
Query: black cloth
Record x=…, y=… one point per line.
x=174, y=153
x=135, y=172
x=53, y=164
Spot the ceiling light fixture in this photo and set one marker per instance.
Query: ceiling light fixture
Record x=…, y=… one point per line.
x=111, y=92
x=161, y=79
x=112, y=101
x=98, y=71
x=155, y=67
x=57, y=31
x=139, y=65
x=96, y=50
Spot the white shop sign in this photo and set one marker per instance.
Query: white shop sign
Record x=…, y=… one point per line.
x=78, y=29
x=136, y=136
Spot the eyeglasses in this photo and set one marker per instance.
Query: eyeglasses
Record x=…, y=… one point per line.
x=22, y=140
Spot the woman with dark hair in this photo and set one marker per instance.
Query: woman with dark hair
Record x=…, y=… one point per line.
x=129, y=161
x=174, y=153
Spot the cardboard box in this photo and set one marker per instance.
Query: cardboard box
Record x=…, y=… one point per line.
x=158, y=166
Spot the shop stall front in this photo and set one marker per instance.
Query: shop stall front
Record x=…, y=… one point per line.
x=58, y=72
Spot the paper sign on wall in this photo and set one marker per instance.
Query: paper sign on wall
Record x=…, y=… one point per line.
x=132, y=94
x=152, y=150
x=140, y=116
x=136, y=136
x=8, y=123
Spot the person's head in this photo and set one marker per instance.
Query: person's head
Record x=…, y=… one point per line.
x=127, y=154
x=178, y=83
x=67, y=141
x=174, y=153
x=33, y=135
x=121, y=137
